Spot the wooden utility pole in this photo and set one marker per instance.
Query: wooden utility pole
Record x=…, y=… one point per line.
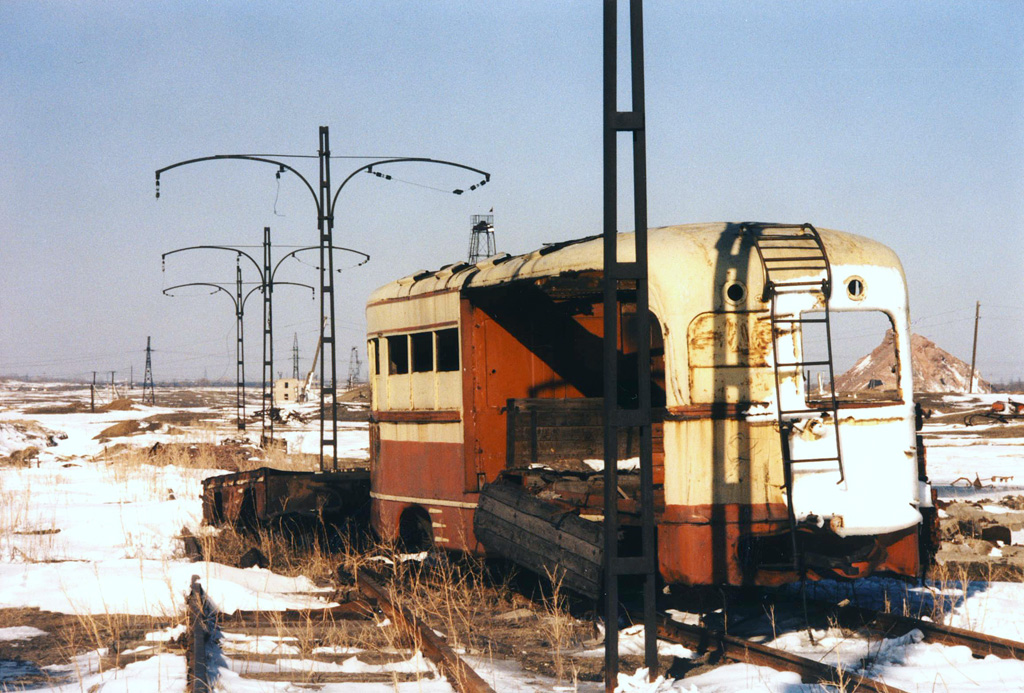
x=974, y=349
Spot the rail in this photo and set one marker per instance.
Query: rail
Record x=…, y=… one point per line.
x=737, y=649
x=463, y=678
x=202, y=621
x=374, y=597
x=980, y=644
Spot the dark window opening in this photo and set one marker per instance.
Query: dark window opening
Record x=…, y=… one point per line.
x=855, y=288
x=375, y=348
x=735, y=292
x=628, y=383
x=398, y=355
x=864, y=356
x=423, y=352
x=448, y=350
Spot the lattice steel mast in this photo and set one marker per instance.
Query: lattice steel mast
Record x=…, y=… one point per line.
x=354, y=365
x=620, y=276
x=268, y=340
x=239, y=349
x=148, y=390
x=481, y=238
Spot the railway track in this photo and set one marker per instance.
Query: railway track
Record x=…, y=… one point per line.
x=737, y=649
x=302, y=644
x=719, y=645
x=888, y=625
x=316, y=662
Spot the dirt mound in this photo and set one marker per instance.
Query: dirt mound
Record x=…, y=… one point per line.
x=360, y=393
x=123, y=404
x=72, y=408
x=21, y=458
x=229, y=455
x=935, y=370
x=121, y=428
x=181, y=418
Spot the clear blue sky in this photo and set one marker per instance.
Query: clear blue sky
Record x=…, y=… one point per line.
x=902, y=121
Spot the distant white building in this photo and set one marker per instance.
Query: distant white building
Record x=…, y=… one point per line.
x=286, y=391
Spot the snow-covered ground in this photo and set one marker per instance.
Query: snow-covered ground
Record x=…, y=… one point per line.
x=957, y=452
x=81, y=534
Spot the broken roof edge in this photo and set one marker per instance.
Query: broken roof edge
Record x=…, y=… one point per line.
x=705, y=240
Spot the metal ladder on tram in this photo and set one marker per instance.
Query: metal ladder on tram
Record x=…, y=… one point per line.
x=795, y=262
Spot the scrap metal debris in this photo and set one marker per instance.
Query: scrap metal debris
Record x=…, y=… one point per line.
x=978, y=483
x=999, y=412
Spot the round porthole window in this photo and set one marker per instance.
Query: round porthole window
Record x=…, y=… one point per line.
x=735, y=292
x=855, y=288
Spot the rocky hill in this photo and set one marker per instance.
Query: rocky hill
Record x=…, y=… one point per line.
x=935, y=370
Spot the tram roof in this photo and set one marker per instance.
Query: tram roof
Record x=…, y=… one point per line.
x=694, y=249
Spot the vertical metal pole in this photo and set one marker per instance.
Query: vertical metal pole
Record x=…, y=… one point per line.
x=239, y=348
x=630, y=273
x=643, y=318
x=974, y=349
x=92, y=394
x=113, y=390
x=328, y=365
x=268, y=339
x=610, y=384
x=295, y=356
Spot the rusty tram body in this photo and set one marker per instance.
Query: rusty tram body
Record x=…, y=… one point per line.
x=489, y=375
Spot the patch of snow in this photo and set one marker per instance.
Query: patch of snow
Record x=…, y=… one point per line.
x=20, y=633
x=627, y=465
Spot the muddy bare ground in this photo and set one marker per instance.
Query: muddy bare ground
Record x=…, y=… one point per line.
x=977, y=540
x=65, y=636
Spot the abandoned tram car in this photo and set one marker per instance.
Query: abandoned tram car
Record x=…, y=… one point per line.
x=768, y=463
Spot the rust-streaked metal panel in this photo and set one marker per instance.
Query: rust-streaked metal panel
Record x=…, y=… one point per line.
x=261, y=495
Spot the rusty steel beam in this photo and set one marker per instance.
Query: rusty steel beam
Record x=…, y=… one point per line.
x=462, y=677
x=740, y=650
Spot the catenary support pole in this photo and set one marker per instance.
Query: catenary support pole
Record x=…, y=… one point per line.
x=239, y=349
x=974, y=349
x=619, y=277
x=268, y=340
x=328, y=360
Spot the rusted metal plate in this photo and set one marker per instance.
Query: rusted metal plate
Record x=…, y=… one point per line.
x=262, y=495
x=546, y=537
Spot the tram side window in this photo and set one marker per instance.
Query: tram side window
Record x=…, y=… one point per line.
x=398, y=354
x=374, y=348
x=448, y=350
x=422, y=352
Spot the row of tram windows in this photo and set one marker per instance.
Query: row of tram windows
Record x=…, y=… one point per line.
x=418, y=370
x=419, y=352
